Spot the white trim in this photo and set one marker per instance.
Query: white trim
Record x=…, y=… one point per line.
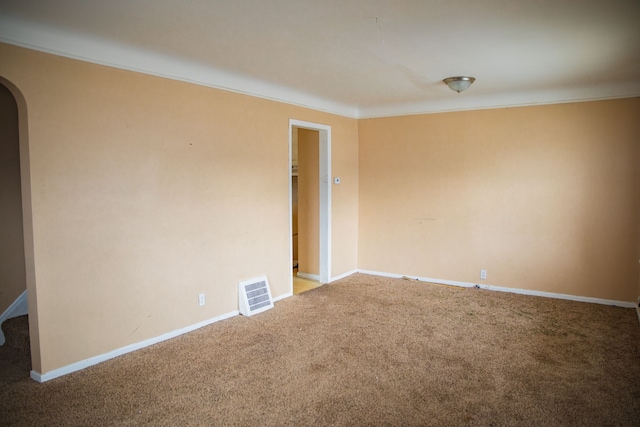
x=325, y=197
x=531, y=99
x=95, y=50
x=17, y=308
x=290, y=211
x=105, y=52
x=325, y=204
x=111, y=54
x=638, y=312
x=420, y=279
x=283, y=296
x=314, y=277
x=77, y=366
x=625, y=304
x=342, y=276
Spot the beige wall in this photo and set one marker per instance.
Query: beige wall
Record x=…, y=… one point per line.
x=308, y=201
x=12, y=260
x=144, y=192
x=345, y=204
x=147, y=191
x=543, y=198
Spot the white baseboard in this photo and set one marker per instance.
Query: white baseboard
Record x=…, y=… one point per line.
x=17, y=308
x=281, y=297
x=77, y=366
x=314, y=277
x=342, y=276
x=625, y=304
x=421, y=279
x=578, y=298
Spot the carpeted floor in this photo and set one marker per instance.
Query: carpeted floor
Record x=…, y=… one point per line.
x=361, y=351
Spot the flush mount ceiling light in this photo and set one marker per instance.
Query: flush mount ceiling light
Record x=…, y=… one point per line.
x=459, y=83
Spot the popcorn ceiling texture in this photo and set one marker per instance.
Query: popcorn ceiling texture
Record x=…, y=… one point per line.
x=361, y=351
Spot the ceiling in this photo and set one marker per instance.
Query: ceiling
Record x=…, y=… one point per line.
x=358, y=58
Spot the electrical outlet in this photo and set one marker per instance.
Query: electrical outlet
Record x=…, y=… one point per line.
x=483, y=274
x=201, y=300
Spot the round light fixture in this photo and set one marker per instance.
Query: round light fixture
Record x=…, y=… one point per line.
x=459, y=83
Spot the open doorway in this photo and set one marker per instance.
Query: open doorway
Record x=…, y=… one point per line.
x=14, y=334
x=310, y=201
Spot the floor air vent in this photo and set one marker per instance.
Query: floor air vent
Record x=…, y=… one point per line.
x=255, y=296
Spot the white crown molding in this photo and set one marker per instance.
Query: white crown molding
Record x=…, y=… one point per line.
x=466, y=101
x=102, y=52
x=90, y=49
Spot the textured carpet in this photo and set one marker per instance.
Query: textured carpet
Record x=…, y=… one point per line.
x=361, y=351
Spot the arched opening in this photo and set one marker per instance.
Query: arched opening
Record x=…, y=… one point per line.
x=17, y=284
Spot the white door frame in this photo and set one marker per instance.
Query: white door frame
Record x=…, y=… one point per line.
x=325, y=197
